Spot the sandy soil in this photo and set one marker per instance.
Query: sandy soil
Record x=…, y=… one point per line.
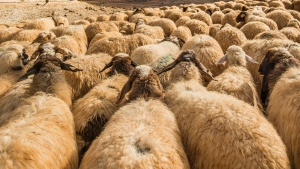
x=74, y=10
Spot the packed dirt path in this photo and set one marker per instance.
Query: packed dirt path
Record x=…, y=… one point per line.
x=73, y=10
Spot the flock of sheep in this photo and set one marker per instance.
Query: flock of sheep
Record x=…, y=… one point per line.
x=204, y=86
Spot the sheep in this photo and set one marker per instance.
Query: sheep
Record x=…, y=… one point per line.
x=197, y=27
x=246, y=17
x=151, y=138
x=175, y=15
x=98, y=27
x=269, y=35
x=229, y=35
x=287, y=4
x=135, y=17
x=118, y=17
x=281, y=81
x=294, y=23
x=291, y=33
x=217, y=17
x=81, y=82
x=148, y=53
x=166, y=24
x=230, y=18
x=26, y=35
x=214, y=29
x=91, y=19
x=220, y=131
x=182, y=21
x=83, y=22
x=92, y=111
x=202, y=16
x=295, y=14
x=47, y=23
x=125, y=27
x=58, y=30
x=13, y=64
x=208, y=52
x=104, y=35
x=49, y=98
x=124, y=44
x=102, y=18
x=182, y=32
x=72, y=38
x=236, y=80
x=154, y=32
x=258, y=49
x=276, y=4
x=251, y=29
x=281, y=18
x=6, y=34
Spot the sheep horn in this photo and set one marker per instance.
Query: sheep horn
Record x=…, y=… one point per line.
x=203, y=68
x=222, y=60
x=33, y=70
x=108, y=66
x=169, y=67
x=65, y=66
x=250, y=59
x=126, y=88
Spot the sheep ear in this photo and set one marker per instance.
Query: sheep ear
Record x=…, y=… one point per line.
x=108, y=66
x=203, y=68
x=222, y=60
x=181, y=42
x=169, y=67
x=250, y=59
x=264, y=90
x=34, y=70
x=241, y=17
x=126, y=88
x=209, y=11
x=65, y=66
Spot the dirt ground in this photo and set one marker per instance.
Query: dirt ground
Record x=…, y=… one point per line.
x=73, y=10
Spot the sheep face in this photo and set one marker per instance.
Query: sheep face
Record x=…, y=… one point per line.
x=139, y=10
x=120, y=63
x=274, y=64
x=48, y=65
x=15, y=57
x=187, y=57
x=235, y=56
x=143, y=83
x=241, y=17
x=179, y=42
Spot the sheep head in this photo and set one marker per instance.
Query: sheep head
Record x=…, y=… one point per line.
x=45, y=36
x=143, y=83
x=139, y=10
x=14, y=58
x=120, y=63
x=187, y=56
x=274, y=64
x=235, y=56
x=178, y=41
x=241, y=17
x=48, y=64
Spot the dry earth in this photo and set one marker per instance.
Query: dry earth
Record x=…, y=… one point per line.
x=73, y=10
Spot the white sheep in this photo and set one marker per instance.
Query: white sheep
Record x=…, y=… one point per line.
x=97, y=27
x=48, y=97
x=154, y=32
x=208, y=53
x=166, y=24
x=145, y=133
x=236, y=80
x=281, y=80
x=220, y=131
x=182, y=32
x=120, y=44
x=229, y=35
x=81, y=82
x=92, y=111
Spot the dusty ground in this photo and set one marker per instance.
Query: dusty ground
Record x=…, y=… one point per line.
x=74, y=10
